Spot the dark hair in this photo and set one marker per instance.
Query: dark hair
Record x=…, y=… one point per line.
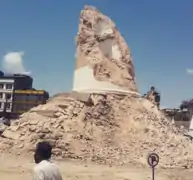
x=44, y=149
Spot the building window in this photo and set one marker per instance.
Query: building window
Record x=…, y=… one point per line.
x=1, y=105
x=8, y=96
x=17, y=97
x=8, y=106
x=31, y=97
x=1, y=86
x=1, y=95
x=9, y=86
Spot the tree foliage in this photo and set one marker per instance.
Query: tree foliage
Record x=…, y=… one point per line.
x=186, y=104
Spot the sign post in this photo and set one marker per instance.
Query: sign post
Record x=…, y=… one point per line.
x=153, y=160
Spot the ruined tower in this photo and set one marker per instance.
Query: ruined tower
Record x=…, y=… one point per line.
x=103, y=59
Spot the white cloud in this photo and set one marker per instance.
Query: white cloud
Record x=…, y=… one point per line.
x=13, y=63
x=189, y=71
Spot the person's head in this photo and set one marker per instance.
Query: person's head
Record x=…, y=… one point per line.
x=43, y=152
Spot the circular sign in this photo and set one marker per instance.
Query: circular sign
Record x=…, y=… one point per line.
x=153, y=159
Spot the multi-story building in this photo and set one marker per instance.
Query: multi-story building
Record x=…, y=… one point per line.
x=18, y=96
x=9, y=83
x=24, y=100
x=6, y=93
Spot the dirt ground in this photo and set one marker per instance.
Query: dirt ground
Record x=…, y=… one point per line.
x=20, y=168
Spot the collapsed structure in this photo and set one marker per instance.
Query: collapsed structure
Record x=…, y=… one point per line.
x=103, y=59
x=105, y=120
x=153, y=96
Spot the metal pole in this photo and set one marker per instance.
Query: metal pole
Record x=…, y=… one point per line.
x=153, y=173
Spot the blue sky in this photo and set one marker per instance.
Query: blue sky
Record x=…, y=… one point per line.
x=159, y=34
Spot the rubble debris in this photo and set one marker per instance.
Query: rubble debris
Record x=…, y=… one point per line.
x=114, y=130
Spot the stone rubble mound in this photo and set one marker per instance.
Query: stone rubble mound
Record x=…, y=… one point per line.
x=109, y=129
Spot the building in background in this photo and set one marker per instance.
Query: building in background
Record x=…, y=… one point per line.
x=9, y=83
x=17, y=94
x=24, y=100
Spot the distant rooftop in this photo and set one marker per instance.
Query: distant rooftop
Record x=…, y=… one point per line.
x=3, y=75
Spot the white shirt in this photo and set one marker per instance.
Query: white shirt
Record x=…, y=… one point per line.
x=46, y=170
